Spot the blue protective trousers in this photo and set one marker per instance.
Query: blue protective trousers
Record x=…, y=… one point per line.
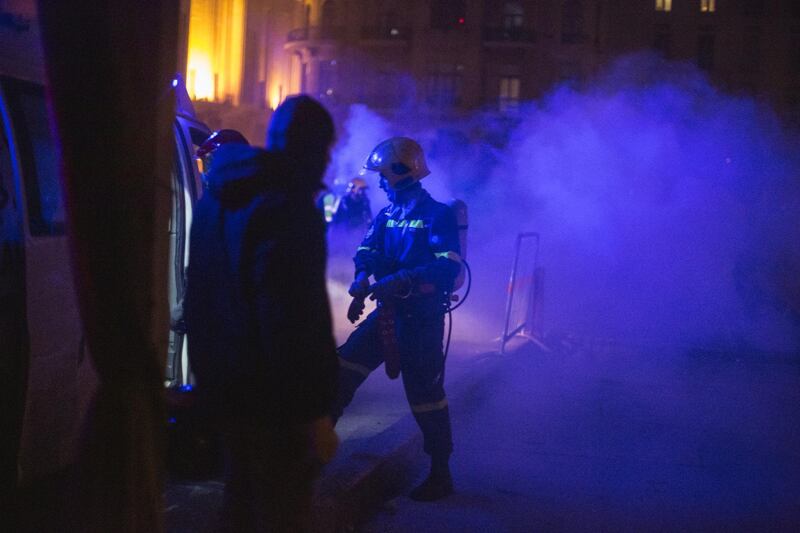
x=419, y=336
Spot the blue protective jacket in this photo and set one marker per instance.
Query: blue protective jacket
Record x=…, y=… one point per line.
x=424, y=242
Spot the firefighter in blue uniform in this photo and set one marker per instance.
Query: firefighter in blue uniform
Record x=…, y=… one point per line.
x=412, y=250
x=353, y=211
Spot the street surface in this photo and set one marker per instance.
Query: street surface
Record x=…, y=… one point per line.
x=621, y=438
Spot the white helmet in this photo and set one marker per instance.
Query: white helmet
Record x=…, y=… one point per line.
x=399, y=160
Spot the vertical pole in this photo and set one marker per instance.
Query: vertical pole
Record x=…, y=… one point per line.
x=510, y=299
x=116, y=159
x=530, y=316
x=527, y=324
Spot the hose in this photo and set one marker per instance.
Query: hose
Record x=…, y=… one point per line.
x=450, y=310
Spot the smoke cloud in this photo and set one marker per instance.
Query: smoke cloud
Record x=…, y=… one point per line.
x=668, y=210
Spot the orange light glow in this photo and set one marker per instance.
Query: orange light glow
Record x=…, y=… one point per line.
x=274, y=99
x=216, y=45
x=200, y=76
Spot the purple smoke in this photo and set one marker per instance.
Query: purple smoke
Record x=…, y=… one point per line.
x=668, y=210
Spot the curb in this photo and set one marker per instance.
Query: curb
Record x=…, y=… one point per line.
x=368, y=472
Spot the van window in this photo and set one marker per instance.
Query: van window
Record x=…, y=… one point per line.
x=185, y=151
x=39, y=157
x=11, y=240
x=9, y=231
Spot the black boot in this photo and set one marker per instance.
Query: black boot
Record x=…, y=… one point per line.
x=438, y=484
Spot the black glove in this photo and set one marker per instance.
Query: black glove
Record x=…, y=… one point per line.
x=393, y=285
x=355, y=310
x=360, y=286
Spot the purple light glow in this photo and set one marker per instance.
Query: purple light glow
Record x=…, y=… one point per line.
x=668, y=210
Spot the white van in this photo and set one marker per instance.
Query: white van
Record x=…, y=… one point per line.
x=43, y=360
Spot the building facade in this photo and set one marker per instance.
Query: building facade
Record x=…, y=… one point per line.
x=749, y=47
x=460, y=55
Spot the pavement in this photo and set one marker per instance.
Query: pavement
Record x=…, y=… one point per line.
x=626, y=439
x=380, y=455
x=600, y=438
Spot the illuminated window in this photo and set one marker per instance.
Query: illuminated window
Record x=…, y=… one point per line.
x=509, y=93
x=708, y=6
x=663, y=5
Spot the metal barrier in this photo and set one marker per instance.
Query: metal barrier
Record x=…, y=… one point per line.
x=525, y=294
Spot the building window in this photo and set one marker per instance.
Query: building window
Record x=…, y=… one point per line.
x=754, y=8
x=329, y=23
x=793, y=106
x=384, y=20
x=708, y=6
x=443, y=86
x=295, y=74
x=327, y=79
x=304, y=77
x=508, y=95
x=795, y=55
x=329, y=13
x=448, y=14
x=388, y=21
x=663, y=41
x=663, y=5
x=513, y=16
x=751, y=52
x=570, y=72
x=388, y=90
x=572, y=22
x=705, y=51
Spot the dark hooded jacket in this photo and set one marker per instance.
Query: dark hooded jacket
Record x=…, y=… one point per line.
x=257, y=313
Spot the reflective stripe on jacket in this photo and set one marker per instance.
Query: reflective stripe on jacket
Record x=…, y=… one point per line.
x=424, y=242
